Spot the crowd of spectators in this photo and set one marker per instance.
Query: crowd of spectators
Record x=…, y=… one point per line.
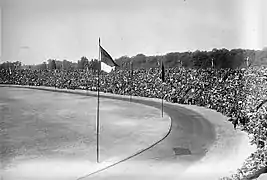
x=234, y=93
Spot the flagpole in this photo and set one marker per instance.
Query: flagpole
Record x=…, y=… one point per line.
x=55, y=79
x=97, y=120
x=162, y=69
x=87, y=72
x=131, y=86
x=162, y=101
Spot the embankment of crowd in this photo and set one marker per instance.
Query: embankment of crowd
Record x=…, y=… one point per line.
x=221, y=152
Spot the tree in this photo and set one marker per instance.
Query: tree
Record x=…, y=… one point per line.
x=58, y=64
x=220, y=58
x=186, y=59
x=261, y=57
x=17, y=64
x=123, y=62
x=83, y=63
x=95, y=65
x=53, y=65
x=42, y=66
x=236, y=58
x=173, y=59
x=66, y=65
x=201, y=59
x=139, y=60
x=152, y=61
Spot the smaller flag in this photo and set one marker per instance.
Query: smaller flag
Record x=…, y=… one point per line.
x=131, y=69
x=247, y=60
x=162, y=72
x=107, y=63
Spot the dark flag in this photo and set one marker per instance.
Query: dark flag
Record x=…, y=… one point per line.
x=131, y=80
x=106, y=58
x=162, y=72
x=131, y=69
x=163, y=80
x=107, y=63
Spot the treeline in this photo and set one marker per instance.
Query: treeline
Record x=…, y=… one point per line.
x=217, y=58
x=53, y=64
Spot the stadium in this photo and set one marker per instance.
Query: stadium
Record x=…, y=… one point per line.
x=144, y=89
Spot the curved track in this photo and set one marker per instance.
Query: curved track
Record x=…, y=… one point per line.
x=189, y=130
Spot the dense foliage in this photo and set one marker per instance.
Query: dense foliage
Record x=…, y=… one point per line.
x=217, y=58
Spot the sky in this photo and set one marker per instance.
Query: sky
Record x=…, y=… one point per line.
x=0, y=33
x=36, y=30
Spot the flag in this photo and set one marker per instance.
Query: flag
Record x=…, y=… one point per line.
x=247, y=61
x=162, y=72
x=131, y=69
x=107, y=63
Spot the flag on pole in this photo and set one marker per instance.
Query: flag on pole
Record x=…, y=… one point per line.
x=107, y=63
x=131, y=80
x=163, y=82
x=162, y=72
x=131, y=69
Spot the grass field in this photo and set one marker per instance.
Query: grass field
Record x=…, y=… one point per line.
x=50, y=126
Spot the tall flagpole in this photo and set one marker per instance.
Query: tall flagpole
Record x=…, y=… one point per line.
x=162, y=78
x=131, y=84
x=162, y=102
x=55, y=78
x=97, y=118
x=87, y=73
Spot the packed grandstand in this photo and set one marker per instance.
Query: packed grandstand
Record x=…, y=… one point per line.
x=238, y=94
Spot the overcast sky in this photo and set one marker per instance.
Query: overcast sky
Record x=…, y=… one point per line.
x=35, y=30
